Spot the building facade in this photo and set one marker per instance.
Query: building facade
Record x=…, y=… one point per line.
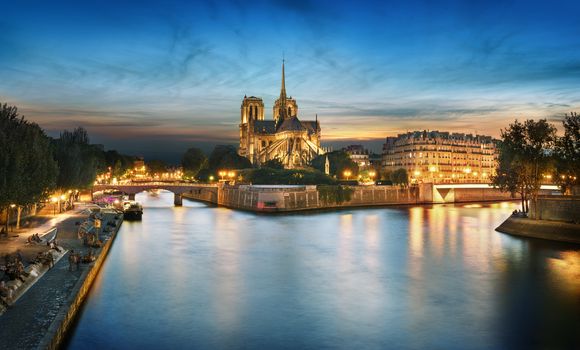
x=359, y=155
x=286, y=138
x=434, y=156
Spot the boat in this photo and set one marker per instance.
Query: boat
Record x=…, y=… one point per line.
x=132, y=210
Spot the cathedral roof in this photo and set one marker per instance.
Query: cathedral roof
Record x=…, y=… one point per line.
x=265, y=126
x=291, y=124
x=311, y=125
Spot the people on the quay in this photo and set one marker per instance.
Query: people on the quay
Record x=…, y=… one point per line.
x=89, y=257
x=72, y=257
x=5, y=293
x=14, y=267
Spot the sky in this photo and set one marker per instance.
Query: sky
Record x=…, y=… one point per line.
x=153, y=78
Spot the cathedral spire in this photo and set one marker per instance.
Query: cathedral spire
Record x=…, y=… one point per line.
x=283, y=114
x=283, y=89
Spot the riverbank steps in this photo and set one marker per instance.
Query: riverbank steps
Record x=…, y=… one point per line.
x=543, y=229
x=41, y=317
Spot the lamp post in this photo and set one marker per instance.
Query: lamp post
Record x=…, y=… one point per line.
x=347, y=174
x=372, y=175
x=8, y=216
x=222, y=173
x=231, y=175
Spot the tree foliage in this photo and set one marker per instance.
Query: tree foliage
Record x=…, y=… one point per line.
x=119, y=163
x=273, y=164
x=27, y=168
x=336, y=194
x=77, y=159
x=399, y=177
x=339, y=162
x=567, y=153
x=157, y=166
x=226, y=157
x=269, y=176
x=193, y=161
x=524, y=157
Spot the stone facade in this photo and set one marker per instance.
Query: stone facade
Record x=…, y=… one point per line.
x=359, y=155
x=443, y=157
x=286, y=138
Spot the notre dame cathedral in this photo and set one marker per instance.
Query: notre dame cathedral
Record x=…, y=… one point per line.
x=286, y=138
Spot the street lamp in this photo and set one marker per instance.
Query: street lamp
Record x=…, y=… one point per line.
x=347, y=174
x=8, y=216
x=231, y=175
x=222, y=173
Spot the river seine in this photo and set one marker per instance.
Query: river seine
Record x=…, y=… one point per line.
x=422, y=277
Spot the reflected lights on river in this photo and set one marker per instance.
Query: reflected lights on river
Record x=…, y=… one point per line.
x=400, y=277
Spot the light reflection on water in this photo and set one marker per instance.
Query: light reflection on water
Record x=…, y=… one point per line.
x=410, y=277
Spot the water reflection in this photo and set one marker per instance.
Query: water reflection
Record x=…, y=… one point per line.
x=411, y=277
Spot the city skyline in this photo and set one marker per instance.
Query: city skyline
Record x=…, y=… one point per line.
x=156, y=79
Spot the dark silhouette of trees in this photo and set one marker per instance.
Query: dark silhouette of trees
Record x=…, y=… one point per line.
x=77, y=159
x=27, y=169
x=525, y=155
x=273, y=164
x=399, y=177
x=226, y=157
x=157, y=166
x=567, y=154
x=193, y=161
x=339, y=162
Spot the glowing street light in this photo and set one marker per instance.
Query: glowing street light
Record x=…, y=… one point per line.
x=347, y=174
x=372, y=174
x=222, y=173
x=231, y=174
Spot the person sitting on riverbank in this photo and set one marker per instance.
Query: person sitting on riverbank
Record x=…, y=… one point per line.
x=34, y=238
x=89, y=257
x=54, y=246
x=45, y=258
x=5, y=293
x=72, y=257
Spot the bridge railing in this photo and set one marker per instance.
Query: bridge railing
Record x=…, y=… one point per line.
x=158, y=184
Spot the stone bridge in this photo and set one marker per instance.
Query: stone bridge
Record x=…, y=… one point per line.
x=130, y=189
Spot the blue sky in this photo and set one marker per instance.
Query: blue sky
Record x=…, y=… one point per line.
x=154, y=78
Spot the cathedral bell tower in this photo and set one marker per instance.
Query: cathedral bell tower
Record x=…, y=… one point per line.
x=252, y=109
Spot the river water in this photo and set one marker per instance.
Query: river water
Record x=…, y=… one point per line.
x=429, y=277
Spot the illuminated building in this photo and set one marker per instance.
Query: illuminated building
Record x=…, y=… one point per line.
x=434, y=156
x=286, y=138
x=359, y=155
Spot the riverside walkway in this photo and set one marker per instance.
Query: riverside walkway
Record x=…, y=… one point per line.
x=32, y=321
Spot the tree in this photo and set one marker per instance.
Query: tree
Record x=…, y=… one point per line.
x=157, y=166
x=226, y=157
x=27, y=169
x=399, y=177
x=78, y=161
x=524, y=157
x=339, y=162
x=193, y=161
x=567, y=153
x=273, y=164
x=119, y=163
x=270, y=176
